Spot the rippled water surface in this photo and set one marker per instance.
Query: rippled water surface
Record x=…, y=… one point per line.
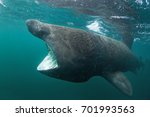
x=20, y=52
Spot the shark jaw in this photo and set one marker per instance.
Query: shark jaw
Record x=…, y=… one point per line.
x=48, y=63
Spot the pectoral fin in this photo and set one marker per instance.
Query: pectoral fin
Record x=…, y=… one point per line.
x=119, y=80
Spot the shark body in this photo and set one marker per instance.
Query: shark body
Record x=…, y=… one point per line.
x=76, y=55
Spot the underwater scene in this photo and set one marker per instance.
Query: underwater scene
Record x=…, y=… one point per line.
x=118, y=59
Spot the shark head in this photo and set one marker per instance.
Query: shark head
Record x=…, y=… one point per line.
x=66, y=56
x=62, y=53
x=41, y=31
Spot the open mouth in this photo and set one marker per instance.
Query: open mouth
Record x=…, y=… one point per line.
x=41, y=30
x=49, y=62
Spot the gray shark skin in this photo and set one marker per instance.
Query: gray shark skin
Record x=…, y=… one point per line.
x=76, y=55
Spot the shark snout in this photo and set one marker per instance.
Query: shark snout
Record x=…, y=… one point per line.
x=33, y=26
x=37, y=28
x=32, y=23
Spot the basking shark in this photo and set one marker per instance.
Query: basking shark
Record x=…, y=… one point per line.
x=76, y=55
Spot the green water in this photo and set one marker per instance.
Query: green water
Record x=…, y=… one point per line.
x=20, y=54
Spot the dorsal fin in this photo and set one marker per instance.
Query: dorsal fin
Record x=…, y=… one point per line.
x=125, y=28
x=127, y=38
x=128, y=41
